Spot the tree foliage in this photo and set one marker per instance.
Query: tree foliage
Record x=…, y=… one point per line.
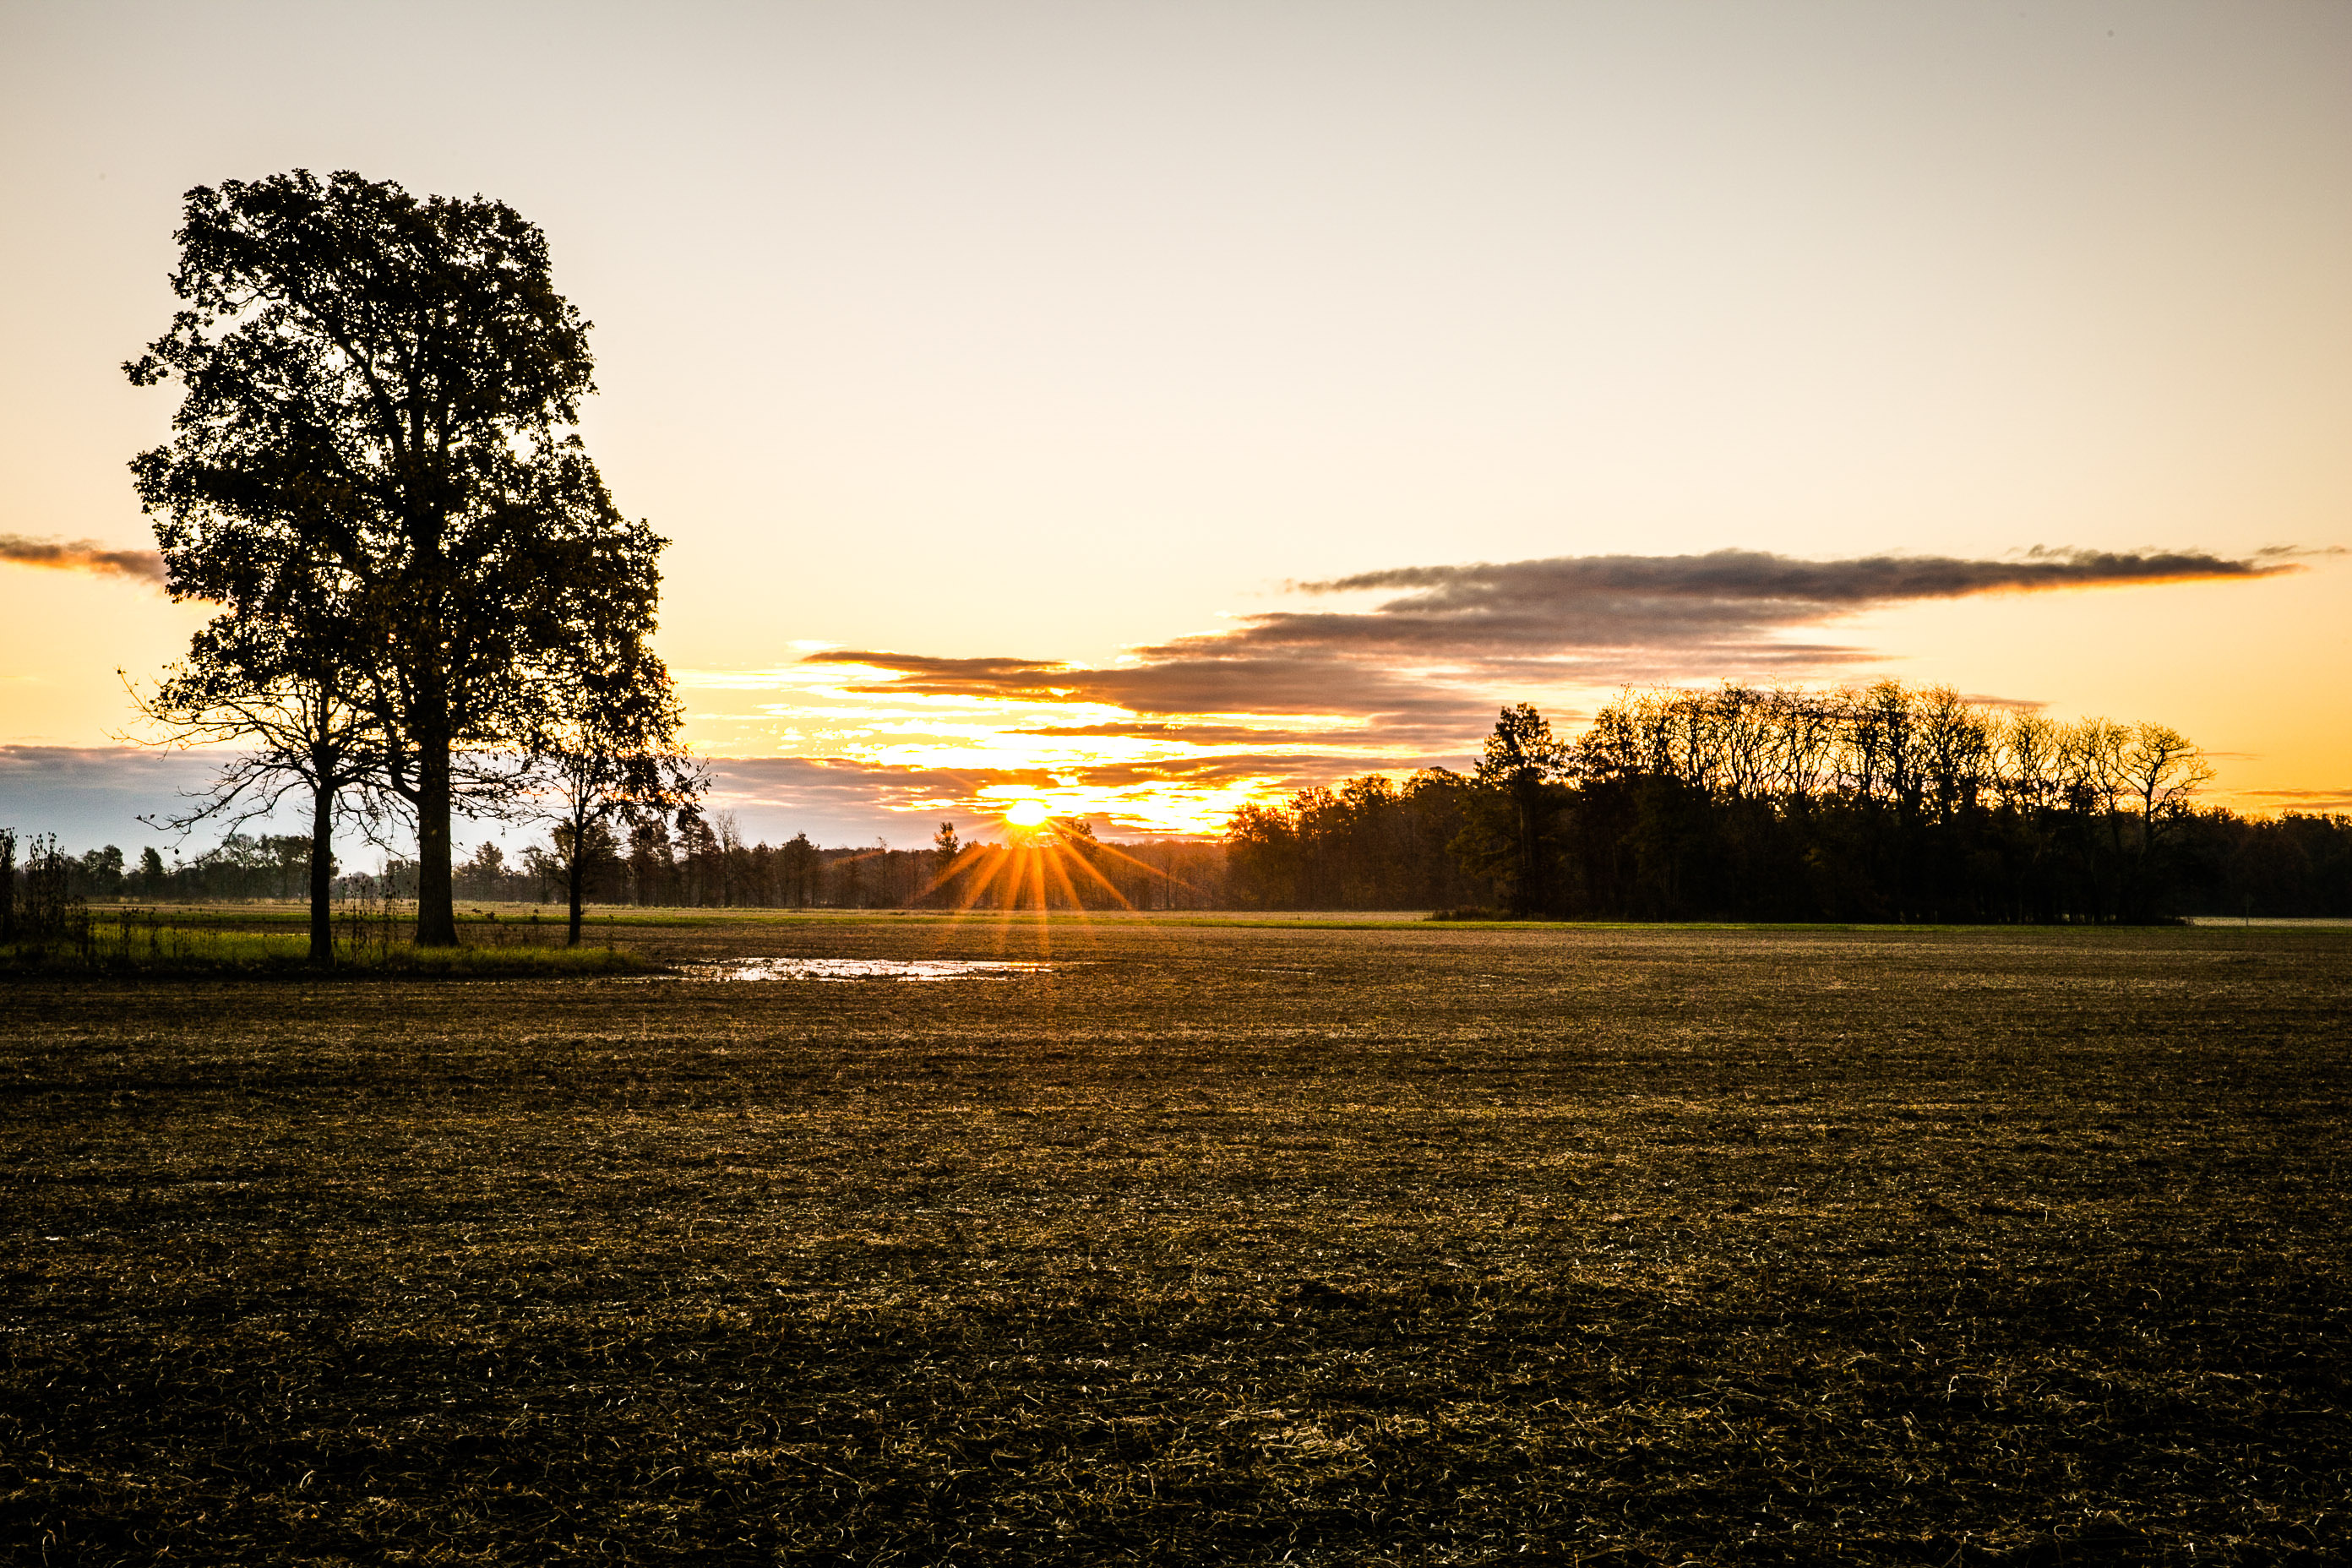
x=1509, y=834
x=1370, y=844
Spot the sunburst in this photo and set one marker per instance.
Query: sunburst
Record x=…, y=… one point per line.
x=1032, y=870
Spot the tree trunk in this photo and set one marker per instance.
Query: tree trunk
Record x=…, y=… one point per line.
x=579, y=859
x=1529, y=896
x=322, y=874
x=437, y=910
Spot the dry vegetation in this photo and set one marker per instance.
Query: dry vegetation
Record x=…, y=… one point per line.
x=1224, y=1243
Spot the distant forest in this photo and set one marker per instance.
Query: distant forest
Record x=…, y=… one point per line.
x=1883, y=804
x=700, y=863
x=1888, y=803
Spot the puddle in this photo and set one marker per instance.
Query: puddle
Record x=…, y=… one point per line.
x=857, y=969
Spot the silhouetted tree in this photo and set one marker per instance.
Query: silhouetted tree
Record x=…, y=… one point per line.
x=389, y=383
x=801, y=864
x=2298, y=864
x=281, y=676
x=1518, y=795
x=606, y=740
x=1883, y=802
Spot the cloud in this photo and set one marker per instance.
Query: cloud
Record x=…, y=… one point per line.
x=1422, y=661
x=1727, y=602
x=1310, y=700
x=2302, y=800
x=82, y=555
x=831, y=782
x=917, y=675
x=1197, y=734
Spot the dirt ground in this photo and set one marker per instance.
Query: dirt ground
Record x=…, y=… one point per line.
x=1211, y=1242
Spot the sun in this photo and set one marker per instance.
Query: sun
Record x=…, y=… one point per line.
x=1027, y=814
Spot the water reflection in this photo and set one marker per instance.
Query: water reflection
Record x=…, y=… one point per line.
x=856, y=968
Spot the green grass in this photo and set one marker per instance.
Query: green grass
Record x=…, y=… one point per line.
x=1214, y=1244
x=504, y=962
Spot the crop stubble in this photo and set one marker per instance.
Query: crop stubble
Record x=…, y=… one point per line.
x=1214, y=1244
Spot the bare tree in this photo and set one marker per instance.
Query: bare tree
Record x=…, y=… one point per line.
x=1956, y=745
x=2031, y=764
x=280, y=677
x=2161, y=768
x=607, y=751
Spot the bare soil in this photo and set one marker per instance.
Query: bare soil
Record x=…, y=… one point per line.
x=1212, y=1243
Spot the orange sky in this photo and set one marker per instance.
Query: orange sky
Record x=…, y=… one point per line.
x=1051, y=333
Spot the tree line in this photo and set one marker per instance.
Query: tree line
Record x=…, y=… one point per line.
x=1369, y=843
x=1882, y=804
x=704, y=861
x=241, y=866
x=696, y=862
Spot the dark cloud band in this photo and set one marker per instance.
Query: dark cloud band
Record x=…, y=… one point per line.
x=82, y=555
x=1756, y=575
x=1432, y=656
x=1680, y=605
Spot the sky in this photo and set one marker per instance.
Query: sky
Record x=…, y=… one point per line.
x=1145, y=408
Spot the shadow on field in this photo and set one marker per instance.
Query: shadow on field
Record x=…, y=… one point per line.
x=1207, y=1244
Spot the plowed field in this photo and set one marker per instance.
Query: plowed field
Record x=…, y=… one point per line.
x=1207, y=1243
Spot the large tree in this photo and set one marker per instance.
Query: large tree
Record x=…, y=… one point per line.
x=391, y=383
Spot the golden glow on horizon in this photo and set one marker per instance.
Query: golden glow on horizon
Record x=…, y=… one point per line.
x=1168, y=784
x=1027, y=814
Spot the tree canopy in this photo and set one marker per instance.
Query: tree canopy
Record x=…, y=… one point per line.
x=1509, y=833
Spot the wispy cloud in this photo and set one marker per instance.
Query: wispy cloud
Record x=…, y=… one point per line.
x=2297, y=799
x=82, y=555
x=1682, y=605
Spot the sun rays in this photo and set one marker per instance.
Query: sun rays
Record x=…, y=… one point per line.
x=1047, y=865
